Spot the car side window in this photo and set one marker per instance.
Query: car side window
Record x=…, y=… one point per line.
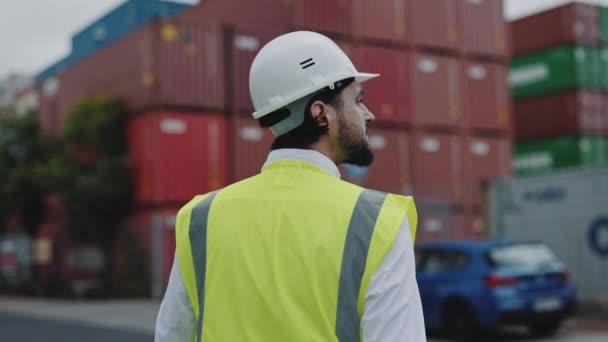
x=442, y=261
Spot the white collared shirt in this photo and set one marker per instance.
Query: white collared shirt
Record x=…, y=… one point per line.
x=393, y=311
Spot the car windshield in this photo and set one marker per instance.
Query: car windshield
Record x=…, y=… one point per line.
x=523, y=254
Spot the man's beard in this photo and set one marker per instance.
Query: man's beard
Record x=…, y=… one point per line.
x=356, y=151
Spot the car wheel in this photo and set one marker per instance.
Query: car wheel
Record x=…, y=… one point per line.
x=545, y=328
x=459, y=321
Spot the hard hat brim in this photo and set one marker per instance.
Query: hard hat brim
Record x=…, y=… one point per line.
x=364, y=76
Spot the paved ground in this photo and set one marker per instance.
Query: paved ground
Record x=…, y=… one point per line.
x=25, y=319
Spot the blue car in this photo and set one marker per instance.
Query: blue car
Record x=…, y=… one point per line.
x=472, y=286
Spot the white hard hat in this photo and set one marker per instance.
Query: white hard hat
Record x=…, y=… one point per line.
x=290, y=69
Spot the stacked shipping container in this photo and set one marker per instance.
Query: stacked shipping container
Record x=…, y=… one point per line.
x=442, y=125
x=558, y=82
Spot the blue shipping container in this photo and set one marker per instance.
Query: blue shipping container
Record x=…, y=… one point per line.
x=118, y=22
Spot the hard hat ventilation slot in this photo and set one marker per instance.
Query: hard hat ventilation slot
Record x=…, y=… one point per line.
x=307, y=63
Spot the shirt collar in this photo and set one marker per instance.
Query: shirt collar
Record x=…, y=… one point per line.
x=308, y=156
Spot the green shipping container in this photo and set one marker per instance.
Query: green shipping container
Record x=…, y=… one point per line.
x=544, y=156
x=554, y=70
x=604, y=66
x=604, y=24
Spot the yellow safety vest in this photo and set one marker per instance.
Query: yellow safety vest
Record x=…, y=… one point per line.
x=286, y=255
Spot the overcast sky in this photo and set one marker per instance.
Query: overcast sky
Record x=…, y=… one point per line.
x=35, y=33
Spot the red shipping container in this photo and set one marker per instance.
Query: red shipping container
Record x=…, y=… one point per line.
x=159, y=64
x=251, y=147
x=177, y=155
x=261, y=14
x=148, y=241
x=486, y=96
x=387, y=96
x=483, y=27
x=575, y=23
x=434, y=23
x=437, y=225
x=437, y=91
x=381, y=20
x=474, y=227
x=438, y=169
x=572, y=113
x=390, y=171
x=327, y=16
x=486, y=159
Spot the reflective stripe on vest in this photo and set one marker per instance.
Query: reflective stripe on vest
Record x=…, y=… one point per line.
x=360, y=230
x=358, y=237
x=198, y=238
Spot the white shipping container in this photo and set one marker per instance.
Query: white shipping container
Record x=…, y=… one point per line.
x=569, y=212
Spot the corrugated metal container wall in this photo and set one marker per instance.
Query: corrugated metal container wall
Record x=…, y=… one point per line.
x=482, y=26
x=328, y=16
x=148, y=242
x=168, y=64
x=119, y=21
x=474, y=227
x=388, y=96
x=554, y=70
x=569, y=113
x=486, y=96
x=438, y=168
x=437, y=91
x=486, y=159
x=177, y=155
x=390, y=171
x=49, y=114
x=435, y=225
x=381, y=20
x=568, y=212
x=573, y=23
x=441, y=31
x=251, y=147
x=259, y=14
x=246, y=45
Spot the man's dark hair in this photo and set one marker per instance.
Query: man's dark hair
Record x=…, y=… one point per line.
x=308, y=132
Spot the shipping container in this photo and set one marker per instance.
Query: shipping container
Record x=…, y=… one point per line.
x=251, y=147
x=388, y=96
x=161, y=64
x=177, y=155
x=604, y=24
x=486, y=96
x=259, y=14
x=555, y=70
x=486, y=158
x=381, y=21
x=144, y=252
x=48, y=109
x=475, y=227
x=604, y=68
x=545, y=156
x=118, y=22
x=246, y=44
x=570, y=113
x=438, y=169
x=436, y=95
x=575, y=23
x=390, y=170
x=327, y=16
x=568, y=212
x=434, y=23
x=483, y=29
x=437, y=225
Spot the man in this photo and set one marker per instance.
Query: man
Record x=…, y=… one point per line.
x=294, y=253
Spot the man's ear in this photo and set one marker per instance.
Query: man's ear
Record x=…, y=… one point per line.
x=319, y=113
